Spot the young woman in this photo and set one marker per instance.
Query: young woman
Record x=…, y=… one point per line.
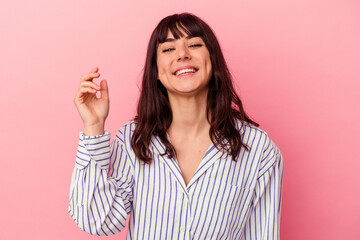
x=192, y=164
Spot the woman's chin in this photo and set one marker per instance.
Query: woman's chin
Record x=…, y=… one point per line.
x=188, y=91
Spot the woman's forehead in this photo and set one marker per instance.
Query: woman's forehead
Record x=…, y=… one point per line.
x=171, y=35
x=182, y=34
x=178, y=31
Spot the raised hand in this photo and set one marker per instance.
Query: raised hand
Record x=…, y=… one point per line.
x=93, y=111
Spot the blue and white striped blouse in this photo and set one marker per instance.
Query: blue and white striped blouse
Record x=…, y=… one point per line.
x=223, y=200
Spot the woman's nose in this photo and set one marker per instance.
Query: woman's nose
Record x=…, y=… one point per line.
x=183, y=53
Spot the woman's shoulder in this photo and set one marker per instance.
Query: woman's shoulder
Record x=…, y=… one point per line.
x=246, y=128
x=255, y=137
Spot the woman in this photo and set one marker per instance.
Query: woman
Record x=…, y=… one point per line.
x=192, y=165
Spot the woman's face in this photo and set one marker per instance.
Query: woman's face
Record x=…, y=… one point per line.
x=184, y=65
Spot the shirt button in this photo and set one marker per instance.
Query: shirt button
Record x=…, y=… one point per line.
x=182, y=229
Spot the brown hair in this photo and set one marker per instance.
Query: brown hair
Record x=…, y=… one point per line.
x=154, y=114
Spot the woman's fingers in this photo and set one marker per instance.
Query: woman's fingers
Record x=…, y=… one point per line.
x=90, y=76
x=79, y=97
x=104, y=89
x=87, y=90
x=94, y=70
x=90, y=84
x=87, y=86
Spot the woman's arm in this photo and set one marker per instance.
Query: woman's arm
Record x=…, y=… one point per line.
x=264, y=221
x=100, y=194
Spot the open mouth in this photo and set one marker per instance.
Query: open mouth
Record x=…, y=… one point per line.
x=185, y=71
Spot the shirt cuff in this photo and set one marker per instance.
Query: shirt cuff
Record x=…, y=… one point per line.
x=95, y=148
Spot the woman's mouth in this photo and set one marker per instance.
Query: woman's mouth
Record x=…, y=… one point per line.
x=186, y=71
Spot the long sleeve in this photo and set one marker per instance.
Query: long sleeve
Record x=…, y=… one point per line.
x=264, y=221
x=101, y=186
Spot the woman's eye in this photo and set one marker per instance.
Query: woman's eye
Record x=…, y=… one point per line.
x=167, y=49
x=196, y=45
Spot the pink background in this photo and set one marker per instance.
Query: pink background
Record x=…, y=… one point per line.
x=296, y=65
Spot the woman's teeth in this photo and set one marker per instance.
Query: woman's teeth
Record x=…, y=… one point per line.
x=183, y=71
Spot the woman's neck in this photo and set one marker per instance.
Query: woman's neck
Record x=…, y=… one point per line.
x=189, y=115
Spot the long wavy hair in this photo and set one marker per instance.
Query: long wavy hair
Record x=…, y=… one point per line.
x=154, y=114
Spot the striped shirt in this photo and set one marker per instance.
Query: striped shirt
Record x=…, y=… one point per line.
x=223, y=200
